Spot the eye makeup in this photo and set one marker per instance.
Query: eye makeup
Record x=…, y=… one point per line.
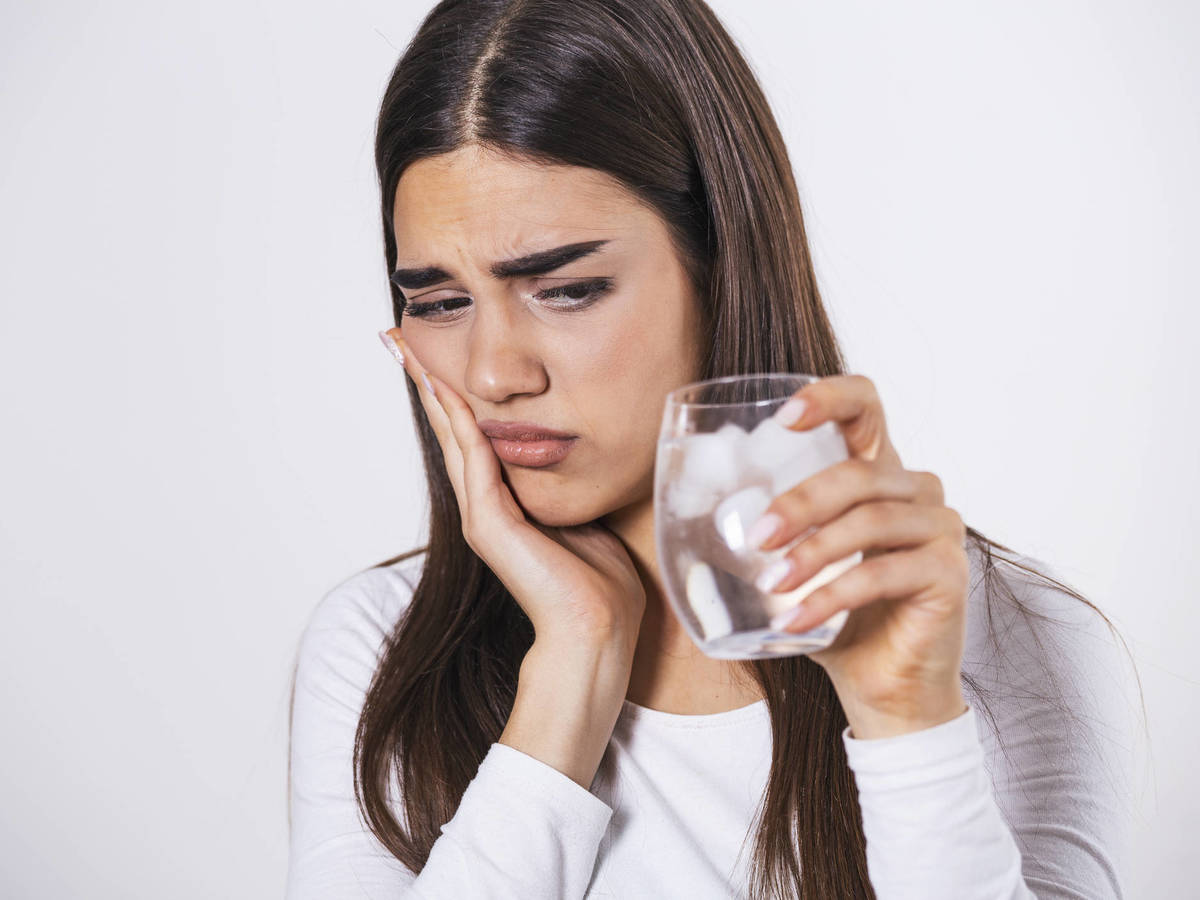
x=565, y=297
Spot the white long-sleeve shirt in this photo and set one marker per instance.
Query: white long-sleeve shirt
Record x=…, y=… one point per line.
x=946, y=812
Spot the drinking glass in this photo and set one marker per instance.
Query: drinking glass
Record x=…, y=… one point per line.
x=721, y=459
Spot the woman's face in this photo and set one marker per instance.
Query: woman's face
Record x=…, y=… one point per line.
x=596, y=361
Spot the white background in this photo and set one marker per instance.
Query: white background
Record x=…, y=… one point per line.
x=202, y=433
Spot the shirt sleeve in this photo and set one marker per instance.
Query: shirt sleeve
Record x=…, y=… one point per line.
x=522, y=828
x=1038, y=805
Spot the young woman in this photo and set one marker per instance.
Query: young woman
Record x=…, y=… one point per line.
x=587, y=203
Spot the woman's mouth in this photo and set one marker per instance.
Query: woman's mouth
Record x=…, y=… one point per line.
x=527, y=443
x=535, y=454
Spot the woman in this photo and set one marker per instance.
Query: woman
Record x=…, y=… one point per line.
x=585, y=205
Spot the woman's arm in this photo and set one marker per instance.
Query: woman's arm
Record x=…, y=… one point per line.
x=952, y=812
x=523, y=828
x=933, y=828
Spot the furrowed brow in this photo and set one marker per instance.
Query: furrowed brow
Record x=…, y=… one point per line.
x=537, y=263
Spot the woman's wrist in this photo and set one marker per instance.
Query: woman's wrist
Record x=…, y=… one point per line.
x=567, y=703
x=892, y=718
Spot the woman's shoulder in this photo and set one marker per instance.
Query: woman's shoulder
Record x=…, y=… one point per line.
x=1056, y=696
x=1042, y=654
x=1022, y=603
x=364, y=607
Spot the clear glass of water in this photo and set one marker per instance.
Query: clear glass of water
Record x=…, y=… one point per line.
x=721, y=459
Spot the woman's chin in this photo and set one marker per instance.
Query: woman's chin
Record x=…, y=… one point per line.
x=557, y=516
x=580, y=500
x=558, y=510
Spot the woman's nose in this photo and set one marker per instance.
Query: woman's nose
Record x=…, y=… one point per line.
x=502, y=360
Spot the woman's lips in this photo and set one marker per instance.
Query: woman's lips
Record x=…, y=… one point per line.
x=535, y=454
x=527, y=443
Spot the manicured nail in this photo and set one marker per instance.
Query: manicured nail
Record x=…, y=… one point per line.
x=780, y=622
x=393, y=347
x=429, y=386
x=789, y=414
x=763, y=529
x=773, y=574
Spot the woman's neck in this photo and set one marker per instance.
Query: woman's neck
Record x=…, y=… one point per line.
x=670, y=673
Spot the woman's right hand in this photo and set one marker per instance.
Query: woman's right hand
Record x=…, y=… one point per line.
x=574, y=582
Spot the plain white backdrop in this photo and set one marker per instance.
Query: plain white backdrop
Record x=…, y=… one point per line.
x=202, y=433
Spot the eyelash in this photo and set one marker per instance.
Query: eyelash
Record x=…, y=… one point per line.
x=596, y=288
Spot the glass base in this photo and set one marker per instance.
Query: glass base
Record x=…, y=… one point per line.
x=768, y=643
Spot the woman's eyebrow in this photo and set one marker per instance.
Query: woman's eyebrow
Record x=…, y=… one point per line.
x=537, y=263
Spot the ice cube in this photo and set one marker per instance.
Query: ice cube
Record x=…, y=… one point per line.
x=806, y=463
x=735, y=434
x=828, y=440
x=738, y=512
x=704, y=598
x=770, y=445
x=711, y=460
x=824, y=446
x=686, y=501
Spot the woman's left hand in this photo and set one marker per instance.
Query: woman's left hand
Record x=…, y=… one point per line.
x=896, y=663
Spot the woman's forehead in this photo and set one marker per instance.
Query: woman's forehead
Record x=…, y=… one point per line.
x=492, y=190
x=491, y=214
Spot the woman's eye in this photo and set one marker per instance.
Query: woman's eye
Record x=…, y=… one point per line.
x=577, y=292
x=573, y=296
x=418, y=310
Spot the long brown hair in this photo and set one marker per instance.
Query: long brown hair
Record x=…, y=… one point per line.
x=656, y=94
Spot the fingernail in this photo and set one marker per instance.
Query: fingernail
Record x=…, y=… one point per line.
x=780, y=621
x=789, y=414
x=429, y=385
x=393, y=347
x=763, y=529
x=772, y=575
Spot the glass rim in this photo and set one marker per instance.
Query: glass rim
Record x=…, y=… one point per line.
x=674, y=401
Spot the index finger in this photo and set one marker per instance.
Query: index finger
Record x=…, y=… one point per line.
x=435, y=413
x=849, y=400
x=481, y=466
